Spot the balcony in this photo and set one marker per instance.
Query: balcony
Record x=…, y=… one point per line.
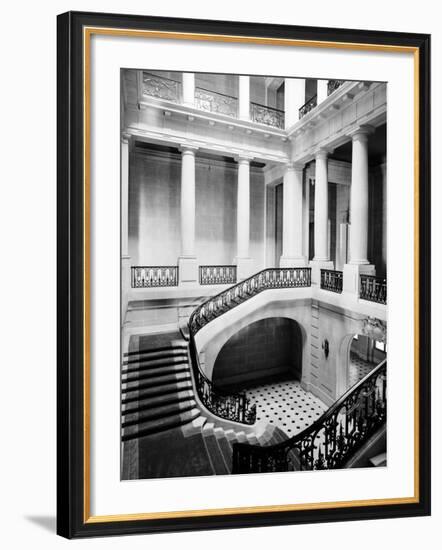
x=333, y=85
x=373, y=289
x=331, y=280
x=211, y=101
x=308, y=106
x=267, y=115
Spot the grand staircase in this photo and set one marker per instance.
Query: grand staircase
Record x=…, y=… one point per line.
x=161, y=415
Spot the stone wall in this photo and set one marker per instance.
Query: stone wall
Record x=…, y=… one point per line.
x=262, y=351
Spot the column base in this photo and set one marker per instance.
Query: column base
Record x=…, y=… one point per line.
x=351, y=276
x=287, y=261
x=245, y=267
x=316, y=266
x=188, y=270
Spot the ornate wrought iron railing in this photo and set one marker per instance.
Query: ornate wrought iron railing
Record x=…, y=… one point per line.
x=153, y=276
x=287, y=277
x=215, y=102
x=235, y=407
x=308, y=106
x=331, y=280
x=333, y=85
x=373, y=289
x=330, y=441
x=267, y=115
x=161, y=87
x=217, y=274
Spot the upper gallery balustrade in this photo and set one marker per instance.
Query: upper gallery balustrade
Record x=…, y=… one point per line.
x=212, y=101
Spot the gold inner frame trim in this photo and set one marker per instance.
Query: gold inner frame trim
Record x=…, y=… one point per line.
x=87, y=33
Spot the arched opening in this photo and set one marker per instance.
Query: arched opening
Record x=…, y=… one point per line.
x=364, y=354
x=265, y=351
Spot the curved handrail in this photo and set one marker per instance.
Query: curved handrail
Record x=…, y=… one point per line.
x=272, y=278
x=235, y=407
x=330, y=441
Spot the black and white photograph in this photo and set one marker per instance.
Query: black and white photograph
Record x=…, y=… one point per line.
x=253, y=274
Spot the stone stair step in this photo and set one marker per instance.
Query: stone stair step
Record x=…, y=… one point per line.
x=225, y=447
x=157, y=391
x=156, y=381
x=155, y=372
x=159, y=425
x=153, y=355
x=173, y=345
x=379, y=460
x=155, y=363
x=157, y=401
x=158, y=412
x=213, y=450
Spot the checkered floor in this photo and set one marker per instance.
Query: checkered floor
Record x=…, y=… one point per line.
x=286, y=405
x=358, y=369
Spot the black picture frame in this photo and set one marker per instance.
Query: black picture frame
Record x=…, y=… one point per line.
x=73, y=520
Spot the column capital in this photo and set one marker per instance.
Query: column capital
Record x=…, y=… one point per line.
x=244, y=158
x=294, y=166
x=361, y=133
x=188, y=148
x=125, y=137
x=322, y=153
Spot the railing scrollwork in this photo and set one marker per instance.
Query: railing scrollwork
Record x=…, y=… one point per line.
x=330, y=441
x=217, y=274
x=161, y=87
x=373, y=289
x=333, y=85
x=215, y=102
x=331, y=280
x=308, y=106
x=154, y=276
x=262, y=114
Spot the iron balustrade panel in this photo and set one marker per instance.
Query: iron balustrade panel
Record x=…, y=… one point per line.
x=308, y=106
x=333, y=85
x=331, y=440
x=287, y=277
x=331, y=280
x=161, y=87
x=154, y=276
x=235, y=407
x=217, y=274
x=373, y=289
x=215, y=102
x=267, y=115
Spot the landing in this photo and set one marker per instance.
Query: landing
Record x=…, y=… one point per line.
x=286, y=405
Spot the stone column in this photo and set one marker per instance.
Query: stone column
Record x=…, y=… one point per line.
x=306, y=216
x=292, y=217
x=243, y=260
x=187, y=262
x=189, y=89
x=125, y=258
x=358, y=241
x=322, y=90
x=244, y=98
x=294, y=99
x=321, y=259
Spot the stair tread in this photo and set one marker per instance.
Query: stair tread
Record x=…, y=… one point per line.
x=214, y=451
x=154, y=372
x=147, y=364
x=154, y=426
x=156, y=401
x=154, y=355
x=164, y=389
x=160, y=412
x=175, y=344
x=156, y=381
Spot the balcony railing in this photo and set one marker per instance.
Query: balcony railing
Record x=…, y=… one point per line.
x=308, y=106
x=330, y=441
x=215, y=102
x=373, y=289
x=333, y=85
x=217, y=274
x=154, y=276
x=267, y=115
x=331, y=280
x=161, y=87
x=287, y=277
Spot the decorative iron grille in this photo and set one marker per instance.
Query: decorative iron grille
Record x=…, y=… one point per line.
x=331, y=280
x=153, y=276
x=161, y=87
x=333, y=85
x=217, y=274
x=330, y=441
x=373, y=289
x=215, y=102
x=308, y=106
x=267, y=115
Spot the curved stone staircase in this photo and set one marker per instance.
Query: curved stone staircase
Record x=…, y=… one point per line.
x=162, y=421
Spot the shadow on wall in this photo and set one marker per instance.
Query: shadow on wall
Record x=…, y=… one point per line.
x=264, y=351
